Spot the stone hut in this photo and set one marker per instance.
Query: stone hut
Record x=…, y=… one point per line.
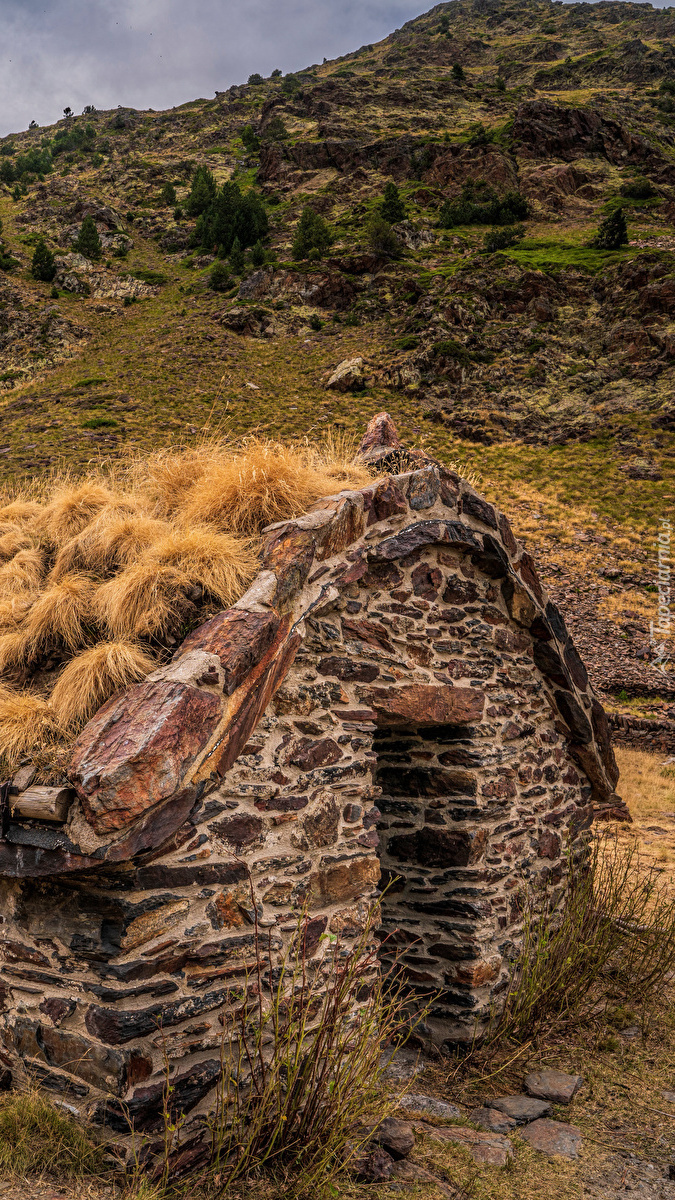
x=394, y=696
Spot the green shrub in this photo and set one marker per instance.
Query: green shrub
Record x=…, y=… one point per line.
x=351, y=319
x=220, y=279
x=54, y=293
x=258, y=255
x=315, y=322
x=231, y=215
x=612, y=232
x=392, y=207
x=237, y=259
x=501, y=239
x=250, y=139
x=88, y=242
x=381, y=237
x=449, y=348
x=480, y=136
x=178, y=213
x=275, y=130
x=167, y=196
x=458, y=73
x=100, y=423
x=479, y=204
x=409, y=342
x=43, y=265
x=638, y=189
x=312, y=234
x=500, y=83
x=202, y=192
x=444, y=23
x=255, y=79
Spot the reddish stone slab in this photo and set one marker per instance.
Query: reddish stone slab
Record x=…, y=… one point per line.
x=556, y=1086
x=290, y=555
x=553, y=1138
x=238, y=638
x=138, y=748
x=424, y=704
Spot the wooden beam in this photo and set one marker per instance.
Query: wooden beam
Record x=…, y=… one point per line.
x=43, y=803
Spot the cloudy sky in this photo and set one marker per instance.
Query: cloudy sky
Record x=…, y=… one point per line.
x=156, y=53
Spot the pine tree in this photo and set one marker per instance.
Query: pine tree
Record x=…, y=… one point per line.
x=458, y=73
x=167, y=195
x=381, y=237
x=612, y=233
x=88, y=242
x=43, y=265
x=258, y=255
x=312, y=236
x=202, y=192
x=237, y=260
x=392, y=208
x=220, y=279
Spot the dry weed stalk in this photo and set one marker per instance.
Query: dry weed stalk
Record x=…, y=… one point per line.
x=610, y=937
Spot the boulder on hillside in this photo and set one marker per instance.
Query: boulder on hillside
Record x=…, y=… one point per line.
x=348, y=376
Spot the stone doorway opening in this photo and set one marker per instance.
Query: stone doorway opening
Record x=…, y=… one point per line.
x=432, y=836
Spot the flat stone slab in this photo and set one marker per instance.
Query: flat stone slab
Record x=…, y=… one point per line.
x=405, y=1173
x=521, y=1108
x=490, y=1148
x=555, y=1086
x=401, y=1065
x=553, y=1137
x=492, y=1119
x=430, y=1106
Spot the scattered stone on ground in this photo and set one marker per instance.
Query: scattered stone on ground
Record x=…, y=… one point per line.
x=401, y=1065
x=555, y=1086
x=371, y=1165
x=394, y=1136
x=492, y=1119
x=669, y=1096
x=521, y=1108
x=429, y=1105
x=404, y=1173
x=347, y=376
x=489, y=1148
x=553, y=1137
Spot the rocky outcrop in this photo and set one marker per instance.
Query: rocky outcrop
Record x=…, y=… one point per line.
x=542, y=129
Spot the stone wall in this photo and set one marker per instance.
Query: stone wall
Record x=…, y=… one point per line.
x=394, y=684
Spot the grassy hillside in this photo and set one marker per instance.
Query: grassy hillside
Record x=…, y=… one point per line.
x=546, y=367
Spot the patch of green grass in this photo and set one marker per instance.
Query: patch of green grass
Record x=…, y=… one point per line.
x=155, y=278
x=89, y=381
x=100, y=423
x=552, y=256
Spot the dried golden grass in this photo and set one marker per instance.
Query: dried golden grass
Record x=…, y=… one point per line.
x=27, y=724
x=60, y=614
x=263, y=483
x=120, y=554
x=113, y=539
x=23, y=573
x=20, y=512
x=71, y=507
x=91, y=678
x=13, y=539
x=220, y=564
x=144, y=600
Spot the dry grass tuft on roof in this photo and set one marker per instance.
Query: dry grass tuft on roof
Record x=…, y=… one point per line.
x=102, y=576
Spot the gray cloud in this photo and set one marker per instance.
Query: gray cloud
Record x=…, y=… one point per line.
x=156, y=53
